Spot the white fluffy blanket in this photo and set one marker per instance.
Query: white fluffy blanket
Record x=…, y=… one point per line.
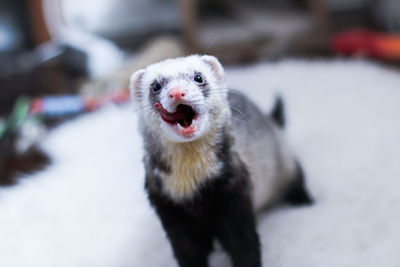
x=89, y=207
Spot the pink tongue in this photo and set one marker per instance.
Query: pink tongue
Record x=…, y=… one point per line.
x=170, y=117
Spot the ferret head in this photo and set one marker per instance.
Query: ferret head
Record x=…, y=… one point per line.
x=182, y=98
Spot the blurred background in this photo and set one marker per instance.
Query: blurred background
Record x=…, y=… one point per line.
x=62, y=58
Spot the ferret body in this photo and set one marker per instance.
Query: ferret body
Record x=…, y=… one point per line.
x=206, y=173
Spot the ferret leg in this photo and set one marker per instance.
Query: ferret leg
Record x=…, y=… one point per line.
x=190, y=239
x=191, y=251
x=237, y=233
x=297, y=193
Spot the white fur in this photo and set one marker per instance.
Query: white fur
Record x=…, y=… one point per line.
x=173, y=69
x=89, y=208
x=192, y=159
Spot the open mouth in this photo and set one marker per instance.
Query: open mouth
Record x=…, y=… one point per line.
x=182, y=119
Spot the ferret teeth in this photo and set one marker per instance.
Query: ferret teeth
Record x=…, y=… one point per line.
x=180, y=127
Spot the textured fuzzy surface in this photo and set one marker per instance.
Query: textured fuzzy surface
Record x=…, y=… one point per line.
x=89, y=207
x=168, y=143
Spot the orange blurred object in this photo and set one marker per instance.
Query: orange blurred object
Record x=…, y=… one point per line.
x=367, y=43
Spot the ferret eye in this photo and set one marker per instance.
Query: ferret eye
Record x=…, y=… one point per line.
x=156, y=87
x=198, y=79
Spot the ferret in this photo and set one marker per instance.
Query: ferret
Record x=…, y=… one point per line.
x=208, y=173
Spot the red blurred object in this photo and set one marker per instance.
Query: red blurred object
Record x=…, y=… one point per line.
x=118, y=97
x=363, y=42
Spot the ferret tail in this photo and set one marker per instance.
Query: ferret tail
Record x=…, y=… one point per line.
x=278, y=112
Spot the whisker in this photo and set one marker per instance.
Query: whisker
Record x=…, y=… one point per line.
x=211, y=44
x=234, y=91
x=237, y=119
x=237, y=109
x=240, y=112
x=144, y=108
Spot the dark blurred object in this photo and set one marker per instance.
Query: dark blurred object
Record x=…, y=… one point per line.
x=347, y=14
x=13, y=164
x=40, y=55
x=28, y=73
x=19, y=134
x=215, y=8
x=385, y=15
x=14, y=26
x=367, y=43
x=37, y=21
x=268, y=29
x=381, y=15
x=29, y=63
x=253, y=30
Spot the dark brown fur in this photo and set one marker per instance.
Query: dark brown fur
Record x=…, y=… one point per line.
x=221, y=210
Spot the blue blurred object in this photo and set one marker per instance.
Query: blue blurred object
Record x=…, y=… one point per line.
x=61, y=105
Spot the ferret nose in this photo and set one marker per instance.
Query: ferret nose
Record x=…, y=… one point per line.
x=177, y=93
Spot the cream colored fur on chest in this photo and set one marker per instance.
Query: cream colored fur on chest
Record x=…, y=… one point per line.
x=191, y=165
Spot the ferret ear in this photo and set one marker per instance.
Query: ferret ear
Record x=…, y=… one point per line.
x=215, y=66
x=135, y=87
